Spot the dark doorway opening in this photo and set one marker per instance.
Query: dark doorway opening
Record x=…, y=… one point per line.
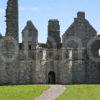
x=51, y=77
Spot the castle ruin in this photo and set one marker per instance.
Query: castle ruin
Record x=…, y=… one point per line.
x=74, y=60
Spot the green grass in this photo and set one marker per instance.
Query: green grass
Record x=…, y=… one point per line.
x=28, y=92
x=81, y=92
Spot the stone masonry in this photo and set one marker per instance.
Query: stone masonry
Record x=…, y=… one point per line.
x=12, y=19
x=74, y=60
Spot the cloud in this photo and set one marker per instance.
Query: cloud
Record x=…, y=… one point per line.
x=35, y=9
x=29, y=9
x=2, y=11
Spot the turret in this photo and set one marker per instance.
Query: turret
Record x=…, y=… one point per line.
x=30, y=34
x=12, y=19
x=53, y=39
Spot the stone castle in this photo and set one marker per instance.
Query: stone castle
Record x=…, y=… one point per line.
x=74, y=60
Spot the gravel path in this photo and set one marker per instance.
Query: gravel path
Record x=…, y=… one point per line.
x=52, y=93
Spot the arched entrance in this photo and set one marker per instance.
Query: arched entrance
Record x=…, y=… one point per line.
x=51, y=77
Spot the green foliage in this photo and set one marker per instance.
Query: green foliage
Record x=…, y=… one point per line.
x=81, y=92
x=23, y=92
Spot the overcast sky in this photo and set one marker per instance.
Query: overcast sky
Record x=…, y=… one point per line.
x=40, y=11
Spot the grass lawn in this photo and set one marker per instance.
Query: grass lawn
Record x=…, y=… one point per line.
x=28, y=92
x=81, y=92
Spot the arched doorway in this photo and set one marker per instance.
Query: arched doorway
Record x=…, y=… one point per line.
x=51, y=77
